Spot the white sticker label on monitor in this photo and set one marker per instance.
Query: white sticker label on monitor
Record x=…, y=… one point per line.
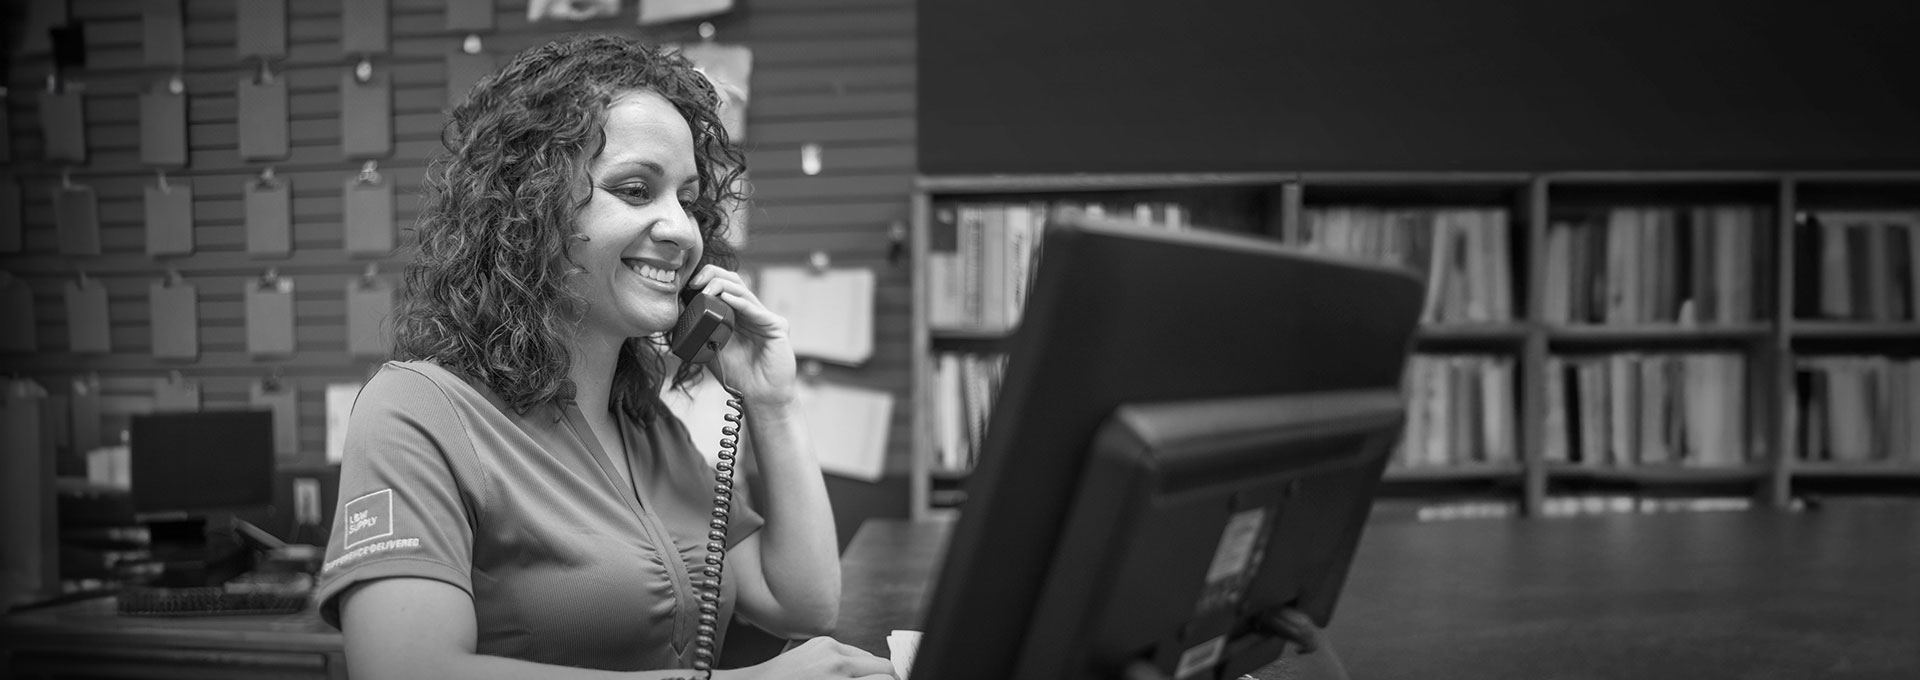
x=369, y=517
x=1200, y=657
x=1235, y=552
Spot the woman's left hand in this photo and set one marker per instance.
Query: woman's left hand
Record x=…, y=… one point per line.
x=759, y=360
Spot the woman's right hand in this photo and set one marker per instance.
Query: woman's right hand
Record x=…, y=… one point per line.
x=821, y=657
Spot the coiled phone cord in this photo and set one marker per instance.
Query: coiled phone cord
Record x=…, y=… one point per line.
x=704, y=638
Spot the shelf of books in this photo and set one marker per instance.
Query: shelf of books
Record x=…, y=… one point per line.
x=1741, y=335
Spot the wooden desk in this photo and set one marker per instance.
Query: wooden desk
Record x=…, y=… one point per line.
x=1831, y=592
x=89, y=639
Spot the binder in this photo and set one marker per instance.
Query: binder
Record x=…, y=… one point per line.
x=11, y=238
x=469, y=16
x=63, y=125
x=76, y=214
x=18, y=325
x=282, y=399
x=463, y=71
x=369, y=215
x=369, y=302
x=269, y=213
x=83, y=404
x=169, y=205
x=173, y=306
x=269, y=303
x=364, y=26
x=163, y=28
x=261, y=28
x=366, y=114
x=176, y=394
x=163, y=126
x=262, y=118
x=87, y=328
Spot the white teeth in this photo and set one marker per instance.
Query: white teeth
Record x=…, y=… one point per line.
x=651, y=272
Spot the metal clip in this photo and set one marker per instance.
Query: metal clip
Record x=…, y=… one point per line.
x=175, y=85
x=471, y=45
x=819, y=261
x=160, y=174
x=363, y=72
x=370, y=172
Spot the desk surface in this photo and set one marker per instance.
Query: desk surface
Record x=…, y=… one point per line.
x=1826, y=593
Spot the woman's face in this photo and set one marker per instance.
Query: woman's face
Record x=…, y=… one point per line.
x=643, y=245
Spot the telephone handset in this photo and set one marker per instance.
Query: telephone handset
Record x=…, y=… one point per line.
x=705, y=326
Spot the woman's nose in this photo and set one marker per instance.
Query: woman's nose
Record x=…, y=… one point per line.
x=678, y=227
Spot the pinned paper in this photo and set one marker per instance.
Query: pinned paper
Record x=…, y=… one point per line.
x=163, y=125
x=369, y=215
x=366, y=113
x=469, y=15
x=269, y=214
x=169, y=218
x=283, y=400
x=369, y=301
x=63, y=124
x=83, y=405
x=571, y=10
x=730, y=69
x=87, y=329
x=364, y=26
x=702, y=406
x=11, y=229
x=262, y=119
x=830, y=312
x=174, y=308
x=176, y=394
x=269, y=304
x=902, y=645
x=849, y=427
x=340, y=398
x=668, y=11
x=261, y=28
x=162, y=29
x=463, y=71
x=18, y=324
x=76, y=214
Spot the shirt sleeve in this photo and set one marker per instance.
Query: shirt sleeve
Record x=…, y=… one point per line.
x=407, y=490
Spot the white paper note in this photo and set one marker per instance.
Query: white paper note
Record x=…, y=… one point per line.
x=830, y=313
x=340, y=398
x=848, y=427
x=902, y=645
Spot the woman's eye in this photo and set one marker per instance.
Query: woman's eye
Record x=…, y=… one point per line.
x=633, y=193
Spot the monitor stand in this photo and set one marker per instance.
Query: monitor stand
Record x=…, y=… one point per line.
x=195, y=551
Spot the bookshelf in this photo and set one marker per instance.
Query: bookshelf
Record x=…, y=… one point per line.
x=1652, y=334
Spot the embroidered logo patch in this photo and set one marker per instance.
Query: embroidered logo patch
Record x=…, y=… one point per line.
x=369, y=517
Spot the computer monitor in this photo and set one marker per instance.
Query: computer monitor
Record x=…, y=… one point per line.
x=1187, y=440
x=195, y=464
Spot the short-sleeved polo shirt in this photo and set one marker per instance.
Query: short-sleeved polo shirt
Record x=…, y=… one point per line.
x=566, y=563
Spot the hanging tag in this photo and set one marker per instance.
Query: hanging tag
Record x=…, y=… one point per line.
x=169, y=206
x=369, y=302
x=369, y=215
x=366, y=114
x=163, y=127
x=174, y=309
x=11, y=222
x=176, y=394
x=163, y=28
x=18, y=325
x=262, y=117
x=464, y=70
x=83, y=404
x=469, y=15
x=63, y=125
x=77, y=217
x=269, y=303
x=269, y=214
x=283, y=400
x=88, y=331
x=261, y=28
x=367, y=22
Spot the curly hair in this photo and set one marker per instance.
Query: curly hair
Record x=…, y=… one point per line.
x=486, y=293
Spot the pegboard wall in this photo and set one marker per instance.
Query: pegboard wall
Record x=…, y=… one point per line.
x=834, y=74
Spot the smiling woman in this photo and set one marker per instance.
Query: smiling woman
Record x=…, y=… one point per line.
x=540, y=512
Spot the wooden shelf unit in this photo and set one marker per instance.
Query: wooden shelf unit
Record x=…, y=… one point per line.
x=1770, y=342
